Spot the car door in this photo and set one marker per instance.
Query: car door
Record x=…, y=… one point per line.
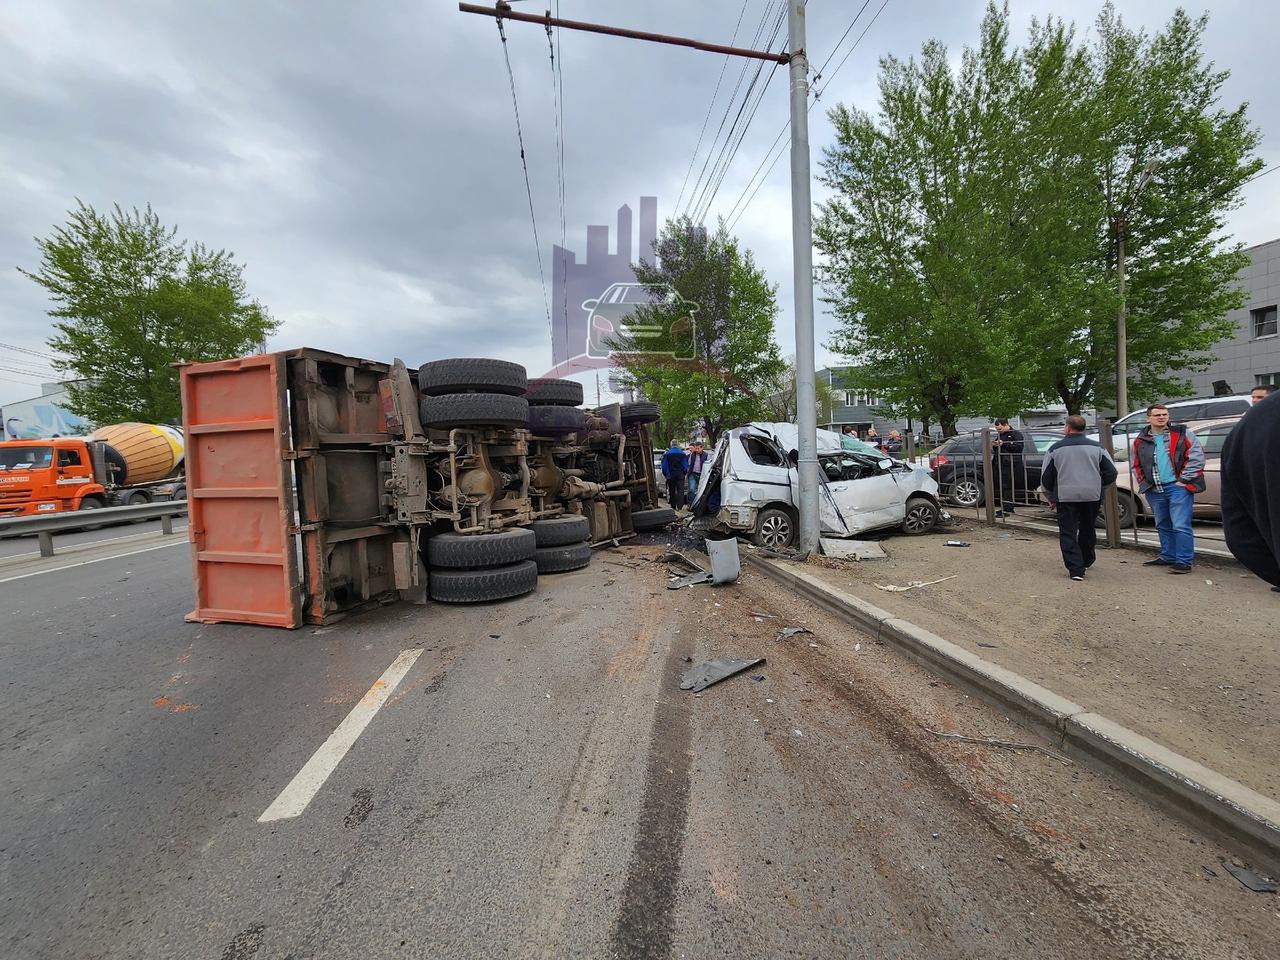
x=1209, y=503
x=868, y=498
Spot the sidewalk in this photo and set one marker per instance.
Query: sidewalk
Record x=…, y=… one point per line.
x=1192, y=662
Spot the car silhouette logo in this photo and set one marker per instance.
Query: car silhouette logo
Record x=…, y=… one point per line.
x=612, y=319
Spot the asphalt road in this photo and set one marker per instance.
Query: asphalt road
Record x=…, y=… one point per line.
x=535, y=786
x=19, y=546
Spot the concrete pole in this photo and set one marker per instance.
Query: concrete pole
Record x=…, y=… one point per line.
x=802, y=256
x=1122, y=334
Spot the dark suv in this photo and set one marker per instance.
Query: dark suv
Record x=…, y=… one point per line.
x=957, y=466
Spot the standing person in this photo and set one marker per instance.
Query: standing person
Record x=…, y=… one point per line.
x=894, y=443
x=1075, y=471
x=1251, y=490
x=697, y=459
x=1168, y=463
x=1009, y=464
x=674, y=467
x=873, y=438
x=1261, y=392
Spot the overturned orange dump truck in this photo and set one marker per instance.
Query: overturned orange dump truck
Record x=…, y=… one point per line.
x=321, y=484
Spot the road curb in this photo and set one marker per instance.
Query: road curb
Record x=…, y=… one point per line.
x=1234, y=813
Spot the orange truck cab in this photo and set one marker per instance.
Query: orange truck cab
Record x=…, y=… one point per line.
x=49, y=476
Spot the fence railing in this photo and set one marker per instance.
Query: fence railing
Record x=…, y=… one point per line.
x=44, y=526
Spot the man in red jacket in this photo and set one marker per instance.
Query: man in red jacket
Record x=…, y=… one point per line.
x=1168, y=463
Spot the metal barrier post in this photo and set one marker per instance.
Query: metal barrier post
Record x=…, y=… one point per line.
x=988, y=474
x=46, y=543
x=911, y=447
x=166, y=523
x=1110, y=498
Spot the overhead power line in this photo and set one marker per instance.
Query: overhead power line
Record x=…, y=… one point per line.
x=1261, y=173
x=711, y=106
x=537, y=243
x=34, y=353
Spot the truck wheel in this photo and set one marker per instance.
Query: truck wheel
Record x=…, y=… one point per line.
x=474, y=410
x=555, y=420
x=471, y=375
x=775, y=529
x=559, y=531
x=921, y=516
x=179, y=493
x=543, y=392
x=481, y=549
x=136, y=498
x=562, y=559
x=482, y=586
x=641, y=411
x=652, y=519
x=91, y=503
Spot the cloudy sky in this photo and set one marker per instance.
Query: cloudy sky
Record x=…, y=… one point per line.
x=361, y=158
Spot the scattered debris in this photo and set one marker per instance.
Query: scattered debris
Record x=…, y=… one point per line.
x=687, y=659
x=702, y=576
x=758, y=677
x=793, y=631
x=797, y=733
x=989, y=646
x=857, y=647
x=1006, y=744
x=913, y=585
x=495, y=636
x=1250, y=878
x=763, y=616
x=853, y=549
x=956, y=543
x=726, y=566
x=1208, y=872
x=713, y=671
x=1209, y=583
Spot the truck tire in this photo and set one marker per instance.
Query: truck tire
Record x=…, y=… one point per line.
x=641, y=411
x=471, y=375
x=179, y=492
x=562, y=559
x=559, y=531
x=652, y=519
x=474, y=410
x=483, y=586
x=91, y=503
x=136, y=498
x=555, y=420
x=462, y=550
x=543, y=392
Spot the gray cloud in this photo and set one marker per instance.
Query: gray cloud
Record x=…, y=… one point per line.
x=361, y=159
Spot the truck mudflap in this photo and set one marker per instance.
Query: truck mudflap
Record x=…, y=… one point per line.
x=240, y=492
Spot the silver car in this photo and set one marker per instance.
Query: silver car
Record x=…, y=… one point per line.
x=750, y=484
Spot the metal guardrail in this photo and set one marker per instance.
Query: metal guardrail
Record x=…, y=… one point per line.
x=46, y=525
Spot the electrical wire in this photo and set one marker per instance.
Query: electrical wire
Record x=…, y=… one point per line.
x=711, y=106
x=817, y=94
x=1261, y=173
x=537, y=243
x=34, y=353
x=818, y=76
x=731, y=146
x=700, y=184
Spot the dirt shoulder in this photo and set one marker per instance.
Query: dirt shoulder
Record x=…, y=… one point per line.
x=1192, y=662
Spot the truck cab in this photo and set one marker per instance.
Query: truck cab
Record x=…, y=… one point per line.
x=48, y=476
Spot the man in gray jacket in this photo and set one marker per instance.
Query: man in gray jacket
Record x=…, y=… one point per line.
x=1073, y=475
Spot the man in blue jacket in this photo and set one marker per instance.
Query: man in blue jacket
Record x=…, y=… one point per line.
x=675, y=465
x=1168, y=463
x=1074, y=473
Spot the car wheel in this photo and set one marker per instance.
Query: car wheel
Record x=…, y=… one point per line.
x=471, y=375
x=562, y=559
x=921, y=517
x=544, y=392
x=481, y=549
x=474, y=409
x=641, y=411
x=652, y=519
x=555, y=421
x=483, y=586
x=968, y=492
x=775, y=529
x=1128, y=511
x=561, y=531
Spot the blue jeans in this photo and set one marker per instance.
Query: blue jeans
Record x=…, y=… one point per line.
x=693, y=486
x=1172, y=510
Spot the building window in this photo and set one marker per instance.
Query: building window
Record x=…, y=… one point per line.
x=850, y=398
x=1266, y=379
x=1264, y=321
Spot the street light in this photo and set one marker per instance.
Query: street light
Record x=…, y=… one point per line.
x=1122, y=318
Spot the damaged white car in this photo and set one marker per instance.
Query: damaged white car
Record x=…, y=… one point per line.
x=750, y=482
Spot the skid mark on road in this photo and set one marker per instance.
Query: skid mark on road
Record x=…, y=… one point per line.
x=245, y=943
x=361, y=809
x=646, y=921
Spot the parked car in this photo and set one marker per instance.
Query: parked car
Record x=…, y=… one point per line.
x=1194, y=413
x=956, y=465
x=1212, y=434
x=750, y=488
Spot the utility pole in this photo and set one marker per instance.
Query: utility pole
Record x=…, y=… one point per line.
x=802, y=260
x=1122, y=312
x=801, y=220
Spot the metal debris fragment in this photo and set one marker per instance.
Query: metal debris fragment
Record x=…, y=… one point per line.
x=713, y=671
x=1006, y=744
x=913, y=585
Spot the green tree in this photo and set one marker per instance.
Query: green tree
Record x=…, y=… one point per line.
x=780, y=396
x=969, y=248
x=736, y=362
x=132, y=300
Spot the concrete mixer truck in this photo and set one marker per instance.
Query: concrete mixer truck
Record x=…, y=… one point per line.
x=117, y=465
